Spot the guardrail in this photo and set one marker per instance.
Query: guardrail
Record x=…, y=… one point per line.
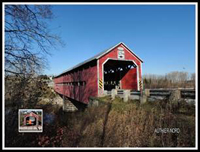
x=181, y=93
x=188, y=94
x=165, y=93
x=120, y=93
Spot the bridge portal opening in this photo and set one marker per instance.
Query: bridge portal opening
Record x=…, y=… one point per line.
x=120, y=75
x=30, y=121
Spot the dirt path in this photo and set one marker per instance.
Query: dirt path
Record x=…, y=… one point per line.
x=105, y=122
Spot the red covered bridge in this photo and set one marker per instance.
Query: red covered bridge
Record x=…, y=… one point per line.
x=117, y=67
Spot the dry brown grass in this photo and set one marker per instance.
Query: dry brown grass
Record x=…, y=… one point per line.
x=112, y=124
x=133, y=125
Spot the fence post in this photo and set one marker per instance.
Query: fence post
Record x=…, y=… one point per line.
x=126, y=95
x=144, y=96
x=176, y=94
x=105, y=92
x=147, y=92
x=113, y=93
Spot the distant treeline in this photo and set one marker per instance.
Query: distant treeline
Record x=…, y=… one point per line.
x=174, y=79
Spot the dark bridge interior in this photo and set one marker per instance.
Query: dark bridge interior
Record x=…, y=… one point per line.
x=114, y=71
x=33, y=120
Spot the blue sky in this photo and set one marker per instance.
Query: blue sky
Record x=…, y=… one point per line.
x=162, y=35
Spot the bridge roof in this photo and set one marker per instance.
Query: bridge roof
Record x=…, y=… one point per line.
x=96, y=57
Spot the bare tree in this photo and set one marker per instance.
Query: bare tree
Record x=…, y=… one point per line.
x=27, y=38
x=193, y=79
x=173, y=76
x=170, y=80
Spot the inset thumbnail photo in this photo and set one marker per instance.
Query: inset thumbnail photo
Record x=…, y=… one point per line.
x=30, y=120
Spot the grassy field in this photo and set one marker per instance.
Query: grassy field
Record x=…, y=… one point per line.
x=119, y=124
x=111, y=124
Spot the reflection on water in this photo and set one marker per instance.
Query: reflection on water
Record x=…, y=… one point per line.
x=7, y=111
x=48, y=118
